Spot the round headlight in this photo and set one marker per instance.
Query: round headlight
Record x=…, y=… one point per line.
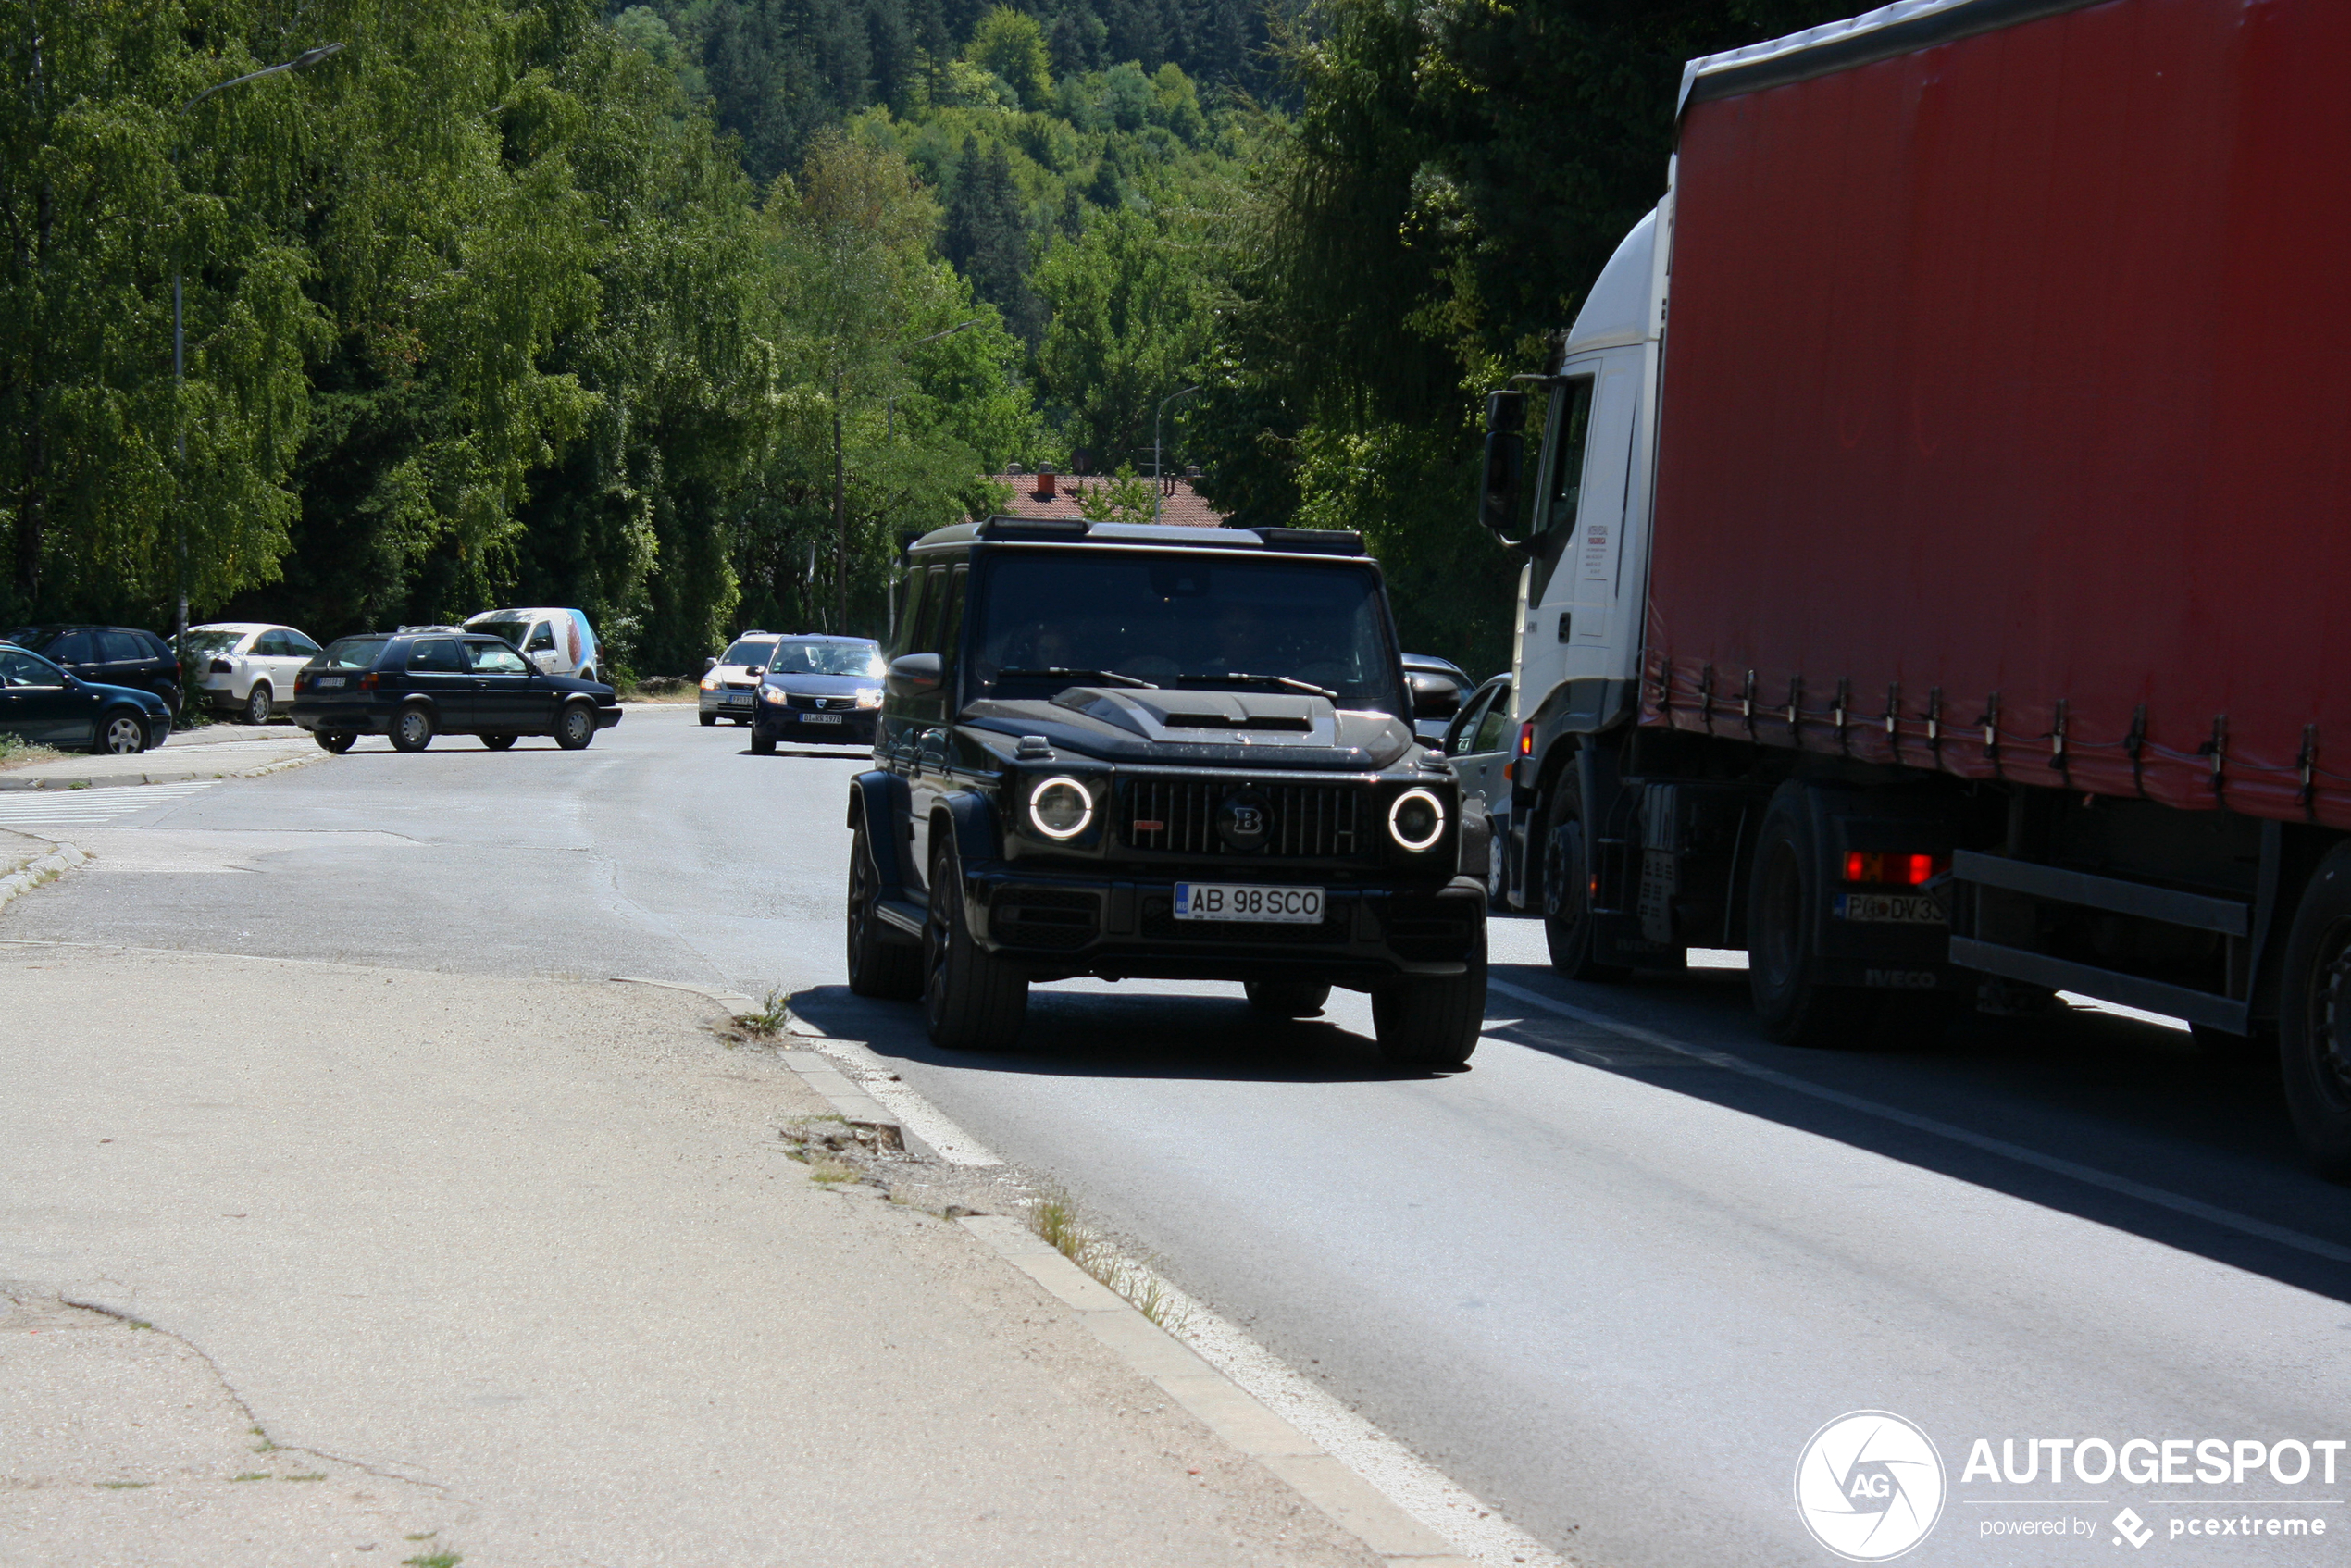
x=1416, y=819
x=1061, y=808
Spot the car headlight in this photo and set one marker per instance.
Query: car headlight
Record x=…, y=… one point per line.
x=772, y=694
x=869, y=699
x=1060, y=807
x=710, y=681
x=1416, y=819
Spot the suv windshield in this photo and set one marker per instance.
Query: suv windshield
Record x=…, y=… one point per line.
x=1185, y=621
x=826, y=658
x=350, y=653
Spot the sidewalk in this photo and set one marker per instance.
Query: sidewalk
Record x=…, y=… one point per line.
x=217, y=750
x=522, y=1270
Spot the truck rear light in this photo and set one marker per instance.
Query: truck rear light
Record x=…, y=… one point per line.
x=1526, y=739
x=1907, y=870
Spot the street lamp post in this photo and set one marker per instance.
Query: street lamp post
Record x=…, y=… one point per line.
x=1156, y=480
x=302, y=61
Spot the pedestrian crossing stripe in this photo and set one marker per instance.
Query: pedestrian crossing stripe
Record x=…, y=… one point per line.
x=45, y=808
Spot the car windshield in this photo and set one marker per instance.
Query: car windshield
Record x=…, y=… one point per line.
x=1185, y=620
x=509, y=632
x=828, y=658
x=350, y=653
x=749, y=651
x=213, y=641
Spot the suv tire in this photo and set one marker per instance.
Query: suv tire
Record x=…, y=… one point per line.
x=1287, y=999
x=257, y=704
x=1433, y=1023
x=971, y=1000
x=891, y=971
x=412, y=728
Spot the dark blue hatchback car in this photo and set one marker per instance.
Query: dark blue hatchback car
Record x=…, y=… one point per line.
x=825, y=690
x=423, y=681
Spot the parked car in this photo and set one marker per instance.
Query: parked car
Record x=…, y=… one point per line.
x=1439, y=686
x=822, y=689
x=42, y=702
x=1478, y=743
x=110, y=656
x=730, y=682
x=555, y=642
x=248, y=667
x=413, y=686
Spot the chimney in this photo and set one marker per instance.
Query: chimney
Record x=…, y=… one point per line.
x=1044, y=481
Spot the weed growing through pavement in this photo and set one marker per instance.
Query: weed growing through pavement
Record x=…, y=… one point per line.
x=255, y=1475
x=437, y=1560
x=124, y=1486
x=768, y=1022
x=1055, y=1220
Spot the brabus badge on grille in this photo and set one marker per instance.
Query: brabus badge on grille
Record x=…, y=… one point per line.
x=1240, y=821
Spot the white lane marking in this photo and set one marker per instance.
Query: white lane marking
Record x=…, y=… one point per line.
x=40, y=807
x=2192, y=1207
x=1421, y=1490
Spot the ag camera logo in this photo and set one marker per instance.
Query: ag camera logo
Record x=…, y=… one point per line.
x=1870, y=1485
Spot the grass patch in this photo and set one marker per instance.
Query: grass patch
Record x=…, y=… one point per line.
x=1057, y=1222
x=17, y=751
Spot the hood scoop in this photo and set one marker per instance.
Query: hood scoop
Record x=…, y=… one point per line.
x=1238, y=717
x=1296, y=724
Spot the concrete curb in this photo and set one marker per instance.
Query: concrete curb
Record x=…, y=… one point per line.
x=181, y=776
x=59, y=861
x=1220, y=1404
x=1210, y=1395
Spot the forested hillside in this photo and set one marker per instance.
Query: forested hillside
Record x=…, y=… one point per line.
x=543, y=301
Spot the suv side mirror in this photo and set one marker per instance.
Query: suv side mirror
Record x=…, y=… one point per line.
x=1434, y=696
x=914, y=675
x=1505, y=461
x=709, y=665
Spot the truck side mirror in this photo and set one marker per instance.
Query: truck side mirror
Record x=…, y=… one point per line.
x=1505, y=462
x=913, y=675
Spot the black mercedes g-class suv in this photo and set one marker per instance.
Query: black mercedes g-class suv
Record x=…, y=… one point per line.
x=1144, y=751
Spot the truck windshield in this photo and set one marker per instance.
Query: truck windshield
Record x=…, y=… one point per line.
x=1186, y=619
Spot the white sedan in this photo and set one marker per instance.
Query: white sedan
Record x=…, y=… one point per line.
x=247, y=668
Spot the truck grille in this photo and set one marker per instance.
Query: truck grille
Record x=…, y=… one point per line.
x=1180, y=816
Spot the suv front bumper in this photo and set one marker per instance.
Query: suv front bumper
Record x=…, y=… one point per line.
x=1370, y=934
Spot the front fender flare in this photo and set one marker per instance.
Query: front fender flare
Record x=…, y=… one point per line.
x=878, y=796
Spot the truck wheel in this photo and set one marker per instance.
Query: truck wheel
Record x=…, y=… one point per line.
x=412, y=729
x=1287, y=999
x=971, y=1000
x=877, y=966
x=1568, y=925
x=2314, y=1018
x=1432, y=1025
x=1782, y=896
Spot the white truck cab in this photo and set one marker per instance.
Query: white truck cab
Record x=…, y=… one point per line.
x=557, y=642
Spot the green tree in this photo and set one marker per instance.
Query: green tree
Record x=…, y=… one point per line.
x=1011, y=45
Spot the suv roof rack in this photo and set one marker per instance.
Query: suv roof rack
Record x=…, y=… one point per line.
x=1002, y=526
x=1314, y=541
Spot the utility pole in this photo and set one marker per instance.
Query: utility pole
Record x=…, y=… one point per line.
x=302, y=61
x=1156, y=480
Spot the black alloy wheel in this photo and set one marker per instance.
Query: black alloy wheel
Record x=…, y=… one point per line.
x=1287, y=999
x=413, y=729
x=257, y=704
x=971, y=1000
x=121, y=733
x=1569, y=929
x=498, y=742
x=879, y=965
x=2314, y=1017
x=575, y=727
x=335, y=741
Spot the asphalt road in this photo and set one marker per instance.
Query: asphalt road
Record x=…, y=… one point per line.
x=1611, y=1278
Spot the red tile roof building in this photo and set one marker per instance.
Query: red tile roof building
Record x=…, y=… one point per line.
x=1047, y=494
